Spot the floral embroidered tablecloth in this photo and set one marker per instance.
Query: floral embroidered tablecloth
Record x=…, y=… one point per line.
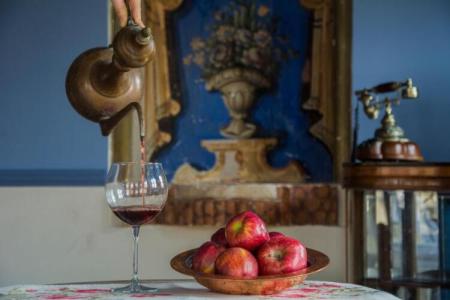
x=168, y=290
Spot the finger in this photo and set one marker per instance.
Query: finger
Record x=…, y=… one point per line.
x=135, y=8
x=121, y=11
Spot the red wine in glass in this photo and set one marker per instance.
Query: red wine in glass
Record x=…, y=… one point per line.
x=136, y=215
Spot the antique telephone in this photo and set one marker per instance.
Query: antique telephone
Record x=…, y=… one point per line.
x=103, y=84
x=389, y=142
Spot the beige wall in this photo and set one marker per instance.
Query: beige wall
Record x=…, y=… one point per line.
x=67, y=234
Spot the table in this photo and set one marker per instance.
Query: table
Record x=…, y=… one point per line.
x=189, y=289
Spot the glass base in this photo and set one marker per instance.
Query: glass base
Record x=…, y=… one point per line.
x=135, y=288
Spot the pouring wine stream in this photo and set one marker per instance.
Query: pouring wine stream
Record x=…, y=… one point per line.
x=142, y=149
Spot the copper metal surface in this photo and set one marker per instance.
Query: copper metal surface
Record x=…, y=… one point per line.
x=263, y=285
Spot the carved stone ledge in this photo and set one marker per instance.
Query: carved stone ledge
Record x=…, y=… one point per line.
x=243, y=161
x=277, y=204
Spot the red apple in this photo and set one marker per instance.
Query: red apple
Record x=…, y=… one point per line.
x=205, y=257
x=246, y=230
x=273, y=234
x=237, y=262
x=281, y=255
x=219, y=237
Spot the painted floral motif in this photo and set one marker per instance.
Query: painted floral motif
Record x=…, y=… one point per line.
x=325, y=290
x=319, y=290
x=72, y=292
x=243, y=34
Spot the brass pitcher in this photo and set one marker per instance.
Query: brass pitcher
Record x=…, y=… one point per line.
x=103, y=84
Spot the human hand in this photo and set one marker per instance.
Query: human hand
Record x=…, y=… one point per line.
x=121, y=11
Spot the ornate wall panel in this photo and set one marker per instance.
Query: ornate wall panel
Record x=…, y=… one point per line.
x=181, y=115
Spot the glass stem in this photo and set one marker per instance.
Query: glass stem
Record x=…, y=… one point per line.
x=135, y=279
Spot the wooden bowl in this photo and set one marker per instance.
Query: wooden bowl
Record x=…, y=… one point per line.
x=262, y=285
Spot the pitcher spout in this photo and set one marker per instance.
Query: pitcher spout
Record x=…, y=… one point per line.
x=108, y=124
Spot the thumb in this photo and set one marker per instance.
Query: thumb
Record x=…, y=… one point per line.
x=135, y=8
x=121, y=11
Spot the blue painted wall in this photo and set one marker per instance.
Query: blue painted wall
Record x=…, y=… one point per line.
x=277, y=113
x=39, y=130
x=40, y=38
x=393, y=40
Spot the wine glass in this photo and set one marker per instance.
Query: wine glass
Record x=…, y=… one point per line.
x=136, y=192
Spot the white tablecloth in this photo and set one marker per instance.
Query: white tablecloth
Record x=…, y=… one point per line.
x=183, y=289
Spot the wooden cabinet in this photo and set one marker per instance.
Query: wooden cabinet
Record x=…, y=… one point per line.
x=397, y=227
